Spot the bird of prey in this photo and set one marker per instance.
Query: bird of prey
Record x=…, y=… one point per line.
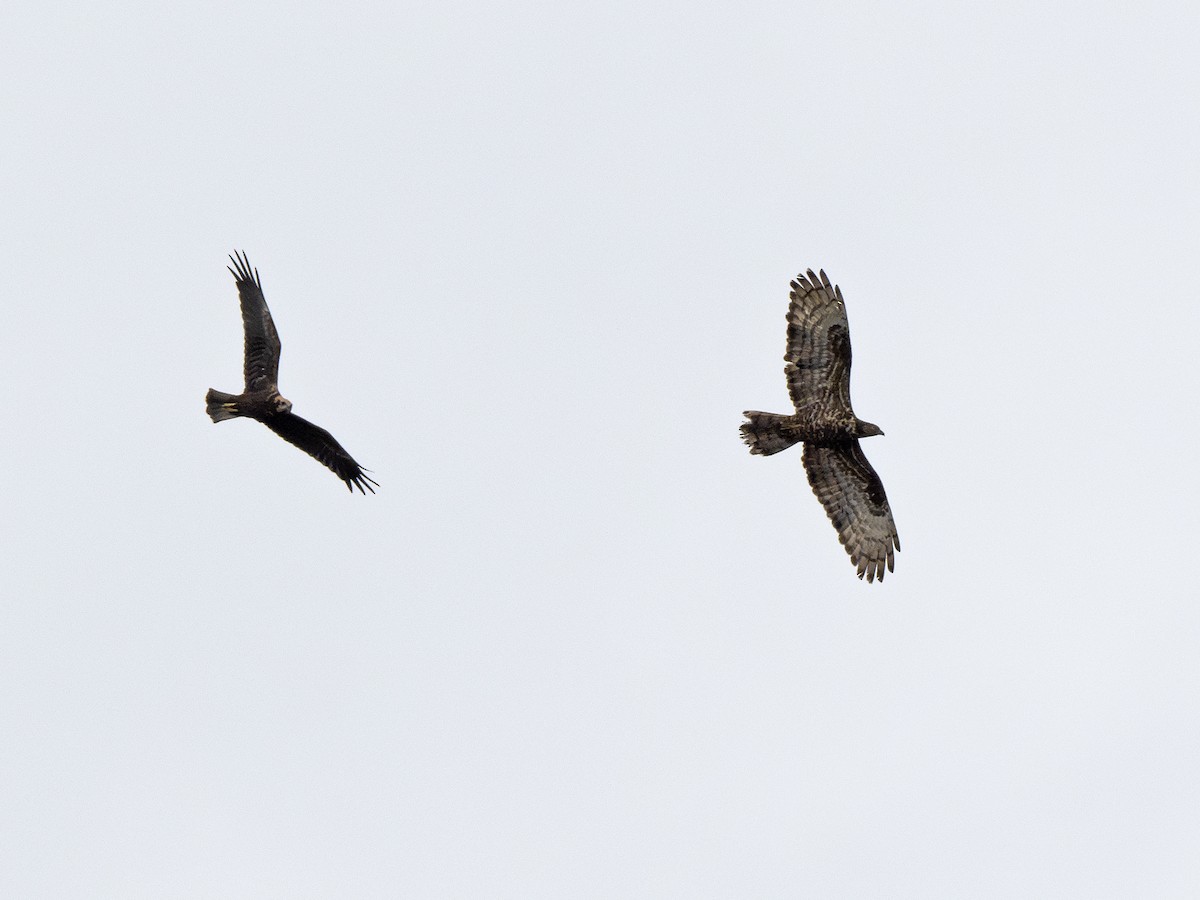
x=818, y=377
x=261, y=399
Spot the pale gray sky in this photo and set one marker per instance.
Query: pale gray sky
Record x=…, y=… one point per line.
x=529, y=262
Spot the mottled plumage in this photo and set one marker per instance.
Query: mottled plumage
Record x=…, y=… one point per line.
x=261, y=399
x=817, y=367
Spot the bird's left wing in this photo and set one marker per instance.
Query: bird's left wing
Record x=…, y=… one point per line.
x=853, y=497
x=321, y=446
x=262, y=341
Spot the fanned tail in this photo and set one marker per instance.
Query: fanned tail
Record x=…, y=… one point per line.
x=221, y=406
x=763, y=432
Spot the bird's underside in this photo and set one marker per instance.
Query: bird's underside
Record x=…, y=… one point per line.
x=769, y=433
x=261, y=399
x=817, y=367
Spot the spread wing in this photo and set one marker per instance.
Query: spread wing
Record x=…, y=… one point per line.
x=320, y=445
x=818, y=345
x=262, y=341
x=853, y=497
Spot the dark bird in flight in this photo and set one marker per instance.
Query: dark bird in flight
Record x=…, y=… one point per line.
x=818, y=377
x=261, y=399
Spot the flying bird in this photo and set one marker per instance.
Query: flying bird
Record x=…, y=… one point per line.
x=261, y=399
x=818, y=378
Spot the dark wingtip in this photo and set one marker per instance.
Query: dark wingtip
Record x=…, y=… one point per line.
x=243, y=270
x=360, y=481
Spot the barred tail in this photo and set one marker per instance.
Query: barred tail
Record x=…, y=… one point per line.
x=221, y=406
x=764, y=433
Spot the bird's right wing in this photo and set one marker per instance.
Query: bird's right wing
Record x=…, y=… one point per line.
x=853, y=497
x=262, y=341
x=817, y=362
x=321, y=446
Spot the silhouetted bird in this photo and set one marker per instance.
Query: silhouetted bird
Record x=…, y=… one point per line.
x=262, y=401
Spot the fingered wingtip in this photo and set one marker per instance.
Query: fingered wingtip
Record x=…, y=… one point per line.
x=363, y=482
x=242, y=270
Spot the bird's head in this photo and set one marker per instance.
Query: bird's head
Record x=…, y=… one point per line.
x=282, y=404
x=866, y=429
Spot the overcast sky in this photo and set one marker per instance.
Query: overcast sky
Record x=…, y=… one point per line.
x=529, y=263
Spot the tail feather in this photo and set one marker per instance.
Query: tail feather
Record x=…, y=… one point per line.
x=221, y=406
x=763, y=432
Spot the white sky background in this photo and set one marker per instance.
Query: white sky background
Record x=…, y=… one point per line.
x=529, y=264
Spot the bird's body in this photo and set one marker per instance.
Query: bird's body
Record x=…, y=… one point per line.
x=774, y=432
x=818, y=375
x=261, y=399
x=257, y=405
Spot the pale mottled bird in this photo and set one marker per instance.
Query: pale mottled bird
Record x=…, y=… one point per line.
x=818, y=377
